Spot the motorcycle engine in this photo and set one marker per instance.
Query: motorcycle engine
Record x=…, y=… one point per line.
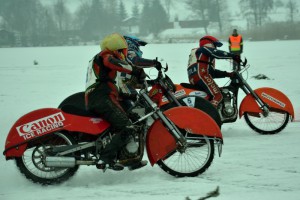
x=228, y=109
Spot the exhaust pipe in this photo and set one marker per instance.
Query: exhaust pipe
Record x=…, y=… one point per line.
x=57, y=161
x=60, y=161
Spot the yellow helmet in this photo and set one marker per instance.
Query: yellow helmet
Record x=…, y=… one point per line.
x=113, y=42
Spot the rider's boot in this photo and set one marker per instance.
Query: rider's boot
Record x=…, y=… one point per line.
x=118, y=141
x=130, y=156
x=138, y=165
x=110, y=151
x=113, y=166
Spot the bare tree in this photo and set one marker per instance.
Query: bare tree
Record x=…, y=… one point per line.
x=201, y=9
x=47, y=29
x=62, y=15
x=82, y=14
x=122, y=12
x=256, y=10
x=292, y=7
x=217, y=11
x=22, y=17
x=135, y=10
x=168, y=4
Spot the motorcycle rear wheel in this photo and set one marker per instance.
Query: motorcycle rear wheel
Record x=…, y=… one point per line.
x=32, y=164
x=272, y=124
x=195, y=160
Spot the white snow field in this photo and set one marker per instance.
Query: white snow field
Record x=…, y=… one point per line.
x=252, y=166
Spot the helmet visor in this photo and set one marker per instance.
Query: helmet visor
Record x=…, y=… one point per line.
x=218, y=44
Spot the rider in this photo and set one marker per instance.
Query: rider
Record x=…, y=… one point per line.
x=126, y=82
x=201, y=67
x=135, y=53
x=102, y=96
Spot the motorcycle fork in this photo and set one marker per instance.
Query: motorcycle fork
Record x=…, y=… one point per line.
x=248, y=90
x=170, y=96
x=158, y=114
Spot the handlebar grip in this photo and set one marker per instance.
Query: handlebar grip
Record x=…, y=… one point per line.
x=244, y=63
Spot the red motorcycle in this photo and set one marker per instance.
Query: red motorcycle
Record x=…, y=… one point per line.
x=266, y=110
x=50, y=144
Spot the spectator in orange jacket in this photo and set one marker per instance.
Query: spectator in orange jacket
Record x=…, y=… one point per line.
x=235, y=46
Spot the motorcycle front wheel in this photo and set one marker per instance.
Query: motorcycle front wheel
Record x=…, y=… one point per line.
x=32, y=163
x=272, y=124
x=194, y=160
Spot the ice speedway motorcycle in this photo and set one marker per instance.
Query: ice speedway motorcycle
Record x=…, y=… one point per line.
x=266, y=110
x=50, y=144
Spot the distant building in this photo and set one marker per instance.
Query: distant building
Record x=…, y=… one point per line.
x=130, y=25
x=184, y=31
x=191, y=24
x=7, y=38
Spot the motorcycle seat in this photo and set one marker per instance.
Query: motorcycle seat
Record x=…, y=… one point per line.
x=77, y=111
x=189, y=86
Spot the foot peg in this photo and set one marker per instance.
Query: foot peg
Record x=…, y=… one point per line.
x=104, y=167
x=116, y=167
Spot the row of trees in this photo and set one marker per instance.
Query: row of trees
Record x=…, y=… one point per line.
x=256, y=12
x=211, y=10
x=259, y=25
x=36, y=24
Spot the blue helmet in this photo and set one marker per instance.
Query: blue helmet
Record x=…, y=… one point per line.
x=134, y=44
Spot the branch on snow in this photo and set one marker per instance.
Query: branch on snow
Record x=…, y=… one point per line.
x=213, y=193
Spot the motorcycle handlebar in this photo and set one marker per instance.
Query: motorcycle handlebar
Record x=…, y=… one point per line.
x=159, y=75
x=244, y=63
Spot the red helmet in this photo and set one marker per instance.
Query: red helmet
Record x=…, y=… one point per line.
x=210, y=40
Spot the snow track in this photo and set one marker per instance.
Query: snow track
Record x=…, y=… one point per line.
x=252, y=166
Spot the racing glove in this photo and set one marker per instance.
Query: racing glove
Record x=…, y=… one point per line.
x=237, y=58
x=139, y=73
x=230, y=75
x=136, y=71
x=157, y=65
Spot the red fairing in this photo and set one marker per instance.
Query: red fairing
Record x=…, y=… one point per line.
x=275, y=99
x=156, y=94
x=160, y=142
x=182, y=91
x=45, y=121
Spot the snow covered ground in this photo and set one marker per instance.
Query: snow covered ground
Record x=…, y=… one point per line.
x=252, y=166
